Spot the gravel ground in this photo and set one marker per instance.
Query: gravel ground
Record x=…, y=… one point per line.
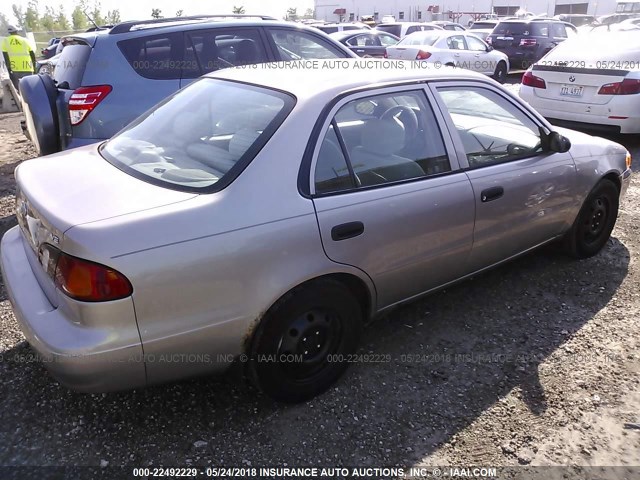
x=534, y=363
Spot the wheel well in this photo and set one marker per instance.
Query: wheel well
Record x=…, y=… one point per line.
x=357, y=288
x=615, y=179
x=355, y=285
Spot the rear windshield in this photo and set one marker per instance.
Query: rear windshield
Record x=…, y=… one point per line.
x=328, y=29
x=482, y=25
x=392, y=29
x=72, y=63
x=428, y=37
x=525, y=29
x=202, y=137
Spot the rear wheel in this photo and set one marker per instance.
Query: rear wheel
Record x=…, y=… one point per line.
x=301, y=346
x=500, y=74
x=592, y=228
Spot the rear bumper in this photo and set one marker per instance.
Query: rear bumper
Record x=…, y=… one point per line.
x=586, y=116
x=88, y=357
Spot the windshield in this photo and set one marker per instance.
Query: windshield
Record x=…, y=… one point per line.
x=202, y=136
x=427, y=37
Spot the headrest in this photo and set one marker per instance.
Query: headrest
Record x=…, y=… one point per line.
x=383, y=137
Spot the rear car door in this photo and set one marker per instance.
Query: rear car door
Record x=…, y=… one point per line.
x=524, y=196
x=461, y=55
x=216, y=48
x=366, y=45
x=388, y=193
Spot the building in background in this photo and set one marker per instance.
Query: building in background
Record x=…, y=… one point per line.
x=455, y=10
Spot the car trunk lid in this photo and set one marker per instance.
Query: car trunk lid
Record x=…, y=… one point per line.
x=78, y=187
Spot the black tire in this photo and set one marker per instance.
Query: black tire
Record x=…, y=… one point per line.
x=324, y=309
x=500, y=74
x=592, y=228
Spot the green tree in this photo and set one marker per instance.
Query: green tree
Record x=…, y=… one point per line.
x=4, y=23
x=309, y=13
x=292, y=13
x=238, y=10
x=78, y=19
x=18, y=12
x=62, y=23
x=47, y=22
x=31, y=17
x=96, y=15
x=113, y=17
x=179, y=13
x=156, y=13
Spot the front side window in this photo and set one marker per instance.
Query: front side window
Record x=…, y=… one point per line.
x=203, y=135
x=475, y=44
x=297, y=45
x=366, y=40
x=378, y=140
x=492, y=129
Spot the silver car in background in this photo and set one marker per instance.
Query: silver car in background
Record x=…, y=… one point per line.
x=264, y=214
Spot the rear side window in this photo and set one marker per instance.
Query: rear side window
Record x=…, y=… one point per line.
x=202, y=137
x=209, y=50
x=378, y=140
x=72, y=63
x=157, y=57
x=297, y=45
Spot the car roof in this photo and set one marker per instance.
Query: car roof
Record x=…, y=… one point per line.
x=340, y=75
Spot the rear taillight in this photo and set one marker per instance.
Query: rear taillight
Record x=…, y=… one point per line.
x=528, y=42
x=626, y=87
x=530, y=80
x=88, y=281
x=84, y=99
x=422, y=55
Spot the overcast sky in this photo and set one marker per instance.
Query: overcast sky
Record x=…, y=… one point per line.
x=141, y=9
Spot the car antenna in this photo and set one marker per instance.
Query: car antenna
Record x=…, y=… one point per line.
x=91, y=19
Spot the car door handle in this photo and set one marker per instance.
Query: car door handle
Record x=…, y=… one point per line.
x=347, y=230
x=492, y=193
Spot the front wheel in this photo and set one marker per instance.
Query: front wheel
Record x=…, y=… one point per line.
x=500, y=74
x=592, y=228
x=301, y=346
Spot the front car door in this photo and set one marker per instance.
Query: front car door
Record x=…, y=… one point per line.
x=388, y=193
x=524, y=196
x=478, y=52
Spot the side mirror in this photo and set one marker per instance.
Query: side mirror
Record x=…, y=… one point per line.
x=489, y=48
x=558, y=143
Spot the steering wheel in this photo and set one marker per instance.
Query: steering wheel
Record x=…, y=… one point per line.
x=406, y=116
